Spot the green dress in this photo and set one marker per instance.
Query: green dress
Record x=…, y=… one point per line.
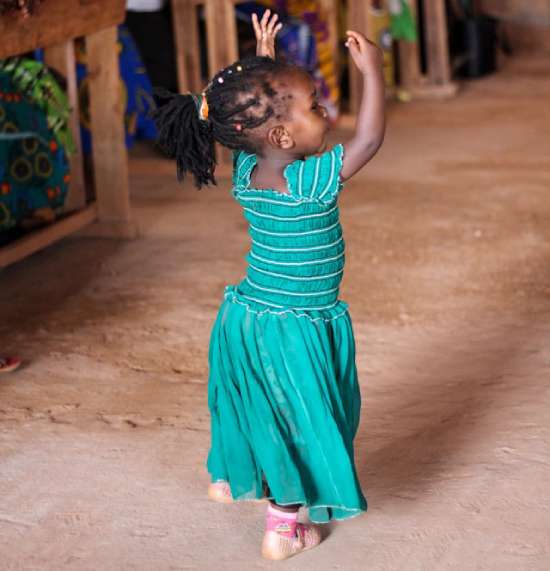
x=283, y=392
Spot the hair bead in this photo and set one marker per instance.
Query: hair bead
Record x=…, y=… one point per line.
x=231, y=105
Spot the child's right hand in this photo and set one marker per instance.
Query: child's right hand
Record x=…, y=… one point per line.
x=366, y=55
x=266, y=31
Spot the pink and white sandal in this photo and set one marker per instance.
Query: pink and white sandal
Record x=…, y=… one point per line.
x=277, y=546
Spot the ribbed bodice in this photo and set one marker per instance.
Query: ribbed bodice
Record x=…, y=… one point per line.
x=296, y=258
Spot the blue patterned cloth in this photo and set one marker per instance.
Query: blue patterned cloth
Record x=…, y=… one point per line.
x=34, y=170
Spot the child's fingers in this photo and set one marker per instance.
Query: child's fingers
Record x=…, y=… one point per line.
x=265, y=20
x=357, y=37
x=352, y=42
x=271, y=24
x=278, y=28
x=353, y=49
x=256, y=26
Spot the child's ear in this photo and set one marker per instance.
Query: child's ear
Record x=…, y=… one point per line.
x=280, y=138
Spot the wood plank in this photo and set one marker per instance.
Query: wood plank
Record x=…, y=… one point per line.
x=61, y=57
x=437, y=43
x=533, y=12
x=186, y=35
x=409, y=56
x=222, y=47
x=231, y=48
x=40, y=239
x=221, y=32
x=57, y=21
x=428, y=91
x=229, y=45
x=110, y=158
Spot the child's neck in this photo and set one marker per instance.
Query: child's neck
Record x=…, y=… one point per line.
x=269, y=173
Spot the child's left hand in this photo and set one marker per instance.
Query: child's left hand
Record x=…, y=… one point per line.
x=266, y=30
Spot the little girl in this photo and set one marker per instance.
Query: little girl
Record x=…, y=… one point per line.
x=283, y=391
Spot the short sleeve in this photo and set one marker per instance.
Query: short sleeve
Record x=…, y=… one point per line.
x=241, y=166
x=318, y=177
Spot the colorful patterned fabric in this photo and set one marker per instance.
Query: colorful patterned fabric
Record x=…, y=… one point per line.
x=403, y=21
x=304, y=40
x=310, y=12
x=34, y=171
x=283, y=391
x=34, y=81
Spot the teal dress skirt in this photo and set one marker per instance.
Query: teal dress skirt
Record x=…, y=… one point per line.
x=283, y=391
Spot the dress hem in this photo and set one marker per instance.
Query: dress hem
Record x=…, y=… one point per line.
x=355, y=512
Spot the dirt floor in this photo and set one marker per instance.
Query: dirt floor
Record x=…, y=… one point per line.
x=104, y=432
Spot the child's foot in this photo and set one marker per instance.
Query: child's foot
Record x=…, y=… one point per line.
x=285, y=537
x=220, y=492
x=277, y=547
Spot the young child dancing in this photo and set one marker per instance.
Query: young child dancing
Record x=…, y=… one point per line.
x=283, y=391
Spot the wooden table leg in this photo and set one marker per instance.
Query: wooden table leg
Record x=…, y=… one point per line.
x=221, y=32
x=437, y=47
x=110, y=158
x=409, y=56
x=186, y=34
x=223, y=49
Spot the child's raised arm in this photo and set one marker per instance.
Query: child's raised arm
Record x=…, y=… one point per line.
x=266, y=30
x=371, y=123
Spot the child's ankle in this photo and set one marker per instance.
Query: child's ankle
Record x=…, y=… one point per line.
x=283, y=522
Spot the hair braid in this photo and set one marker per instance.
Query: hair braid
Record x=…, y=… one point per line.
x=234, y=98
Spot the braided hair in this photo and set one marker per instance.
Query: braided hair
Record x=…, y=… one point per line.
x=240, y=98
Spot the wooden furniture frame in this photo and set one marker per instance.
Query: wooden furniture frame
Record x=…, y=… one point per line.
x=437, y=82
x=222, y=45
x=54, y=27
x=221, y=33
x=222, y=41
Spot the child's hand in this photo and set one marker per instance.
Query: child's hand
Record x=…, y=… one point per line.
x=366, y=55
x=266, y=30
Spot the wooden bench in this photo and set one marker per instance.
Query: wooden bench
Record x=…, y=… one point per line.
x=54, y=27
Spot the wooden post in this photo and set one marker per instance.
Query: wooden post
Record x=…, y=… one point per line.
x=186, y=33
x=409, y=56
x=437, y=48
x=221, y=32
x=61, y=57
x=110, y=159
x=223, y=49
